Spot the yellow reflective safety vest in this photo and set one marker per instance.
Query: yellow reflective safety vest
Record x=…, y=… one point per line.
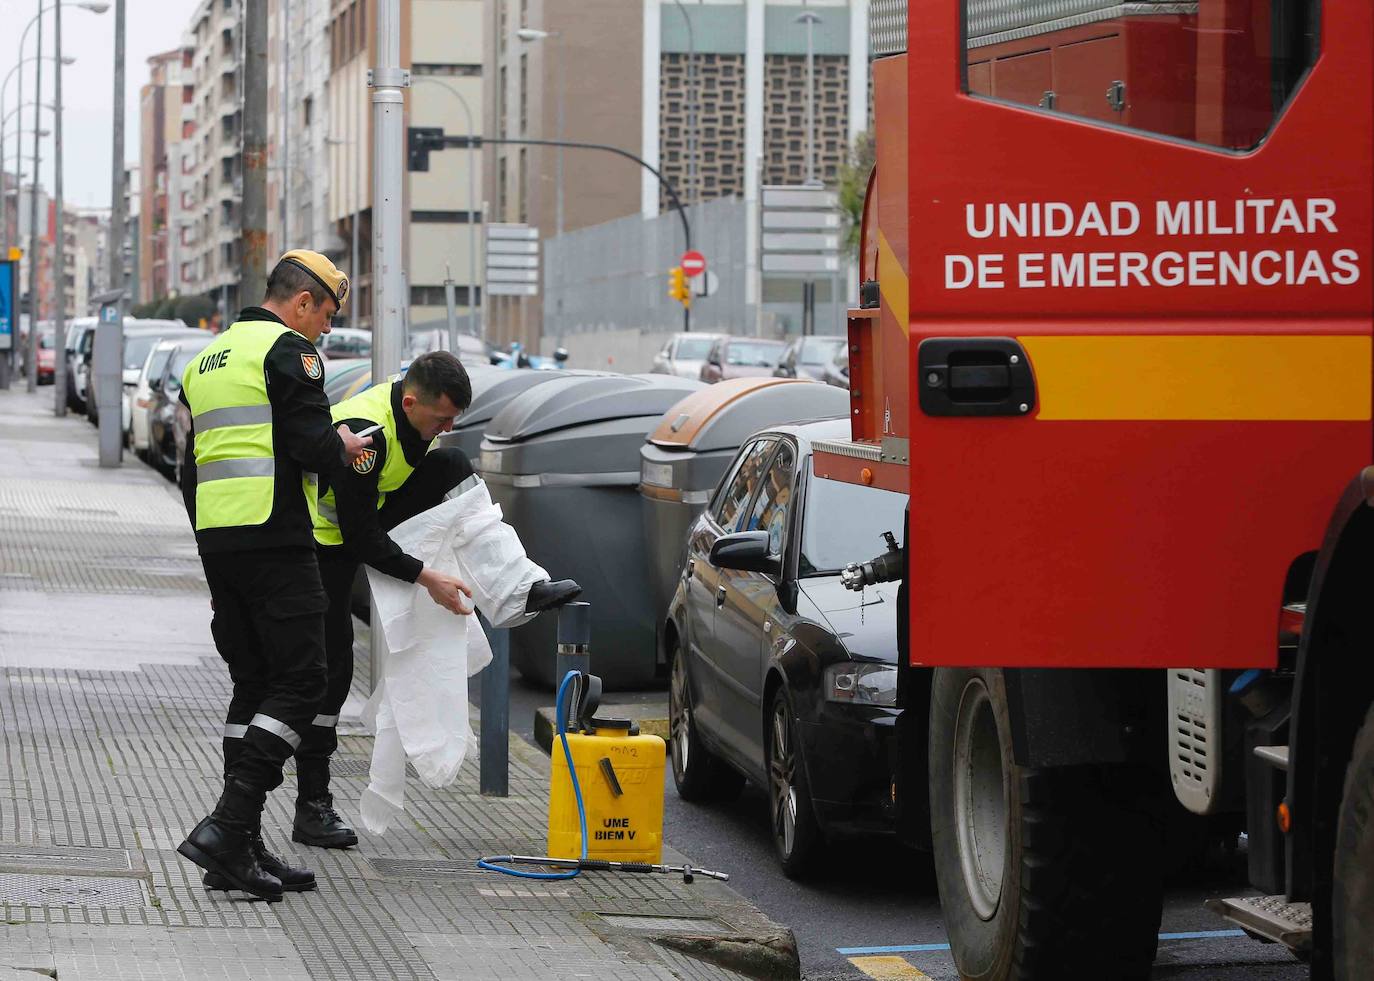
x=226, y=387
x=374, y=405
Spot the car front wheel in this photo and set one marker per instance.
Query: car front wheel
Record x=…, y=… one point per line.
x=699, y=774
x=792, y=817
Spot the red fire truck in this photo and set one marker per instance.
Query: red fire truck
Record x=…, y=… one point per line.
x=1114, y=340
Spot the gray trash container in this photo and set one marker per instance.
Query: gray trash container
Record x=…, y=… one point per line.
x=492, y=389
x=685, y=457
x=562, y=461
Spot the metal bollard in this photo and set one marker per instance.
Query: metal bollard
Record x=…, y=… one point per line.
x=495, y=754
x=574, y=641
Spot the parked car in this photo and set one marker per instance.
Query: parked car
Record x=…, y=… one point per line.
x=740, y=357
x=684, y=354
x=139, y=338
x=136, y=350
x=162, y=443
x=433, y=336
x=836, y=370
x=345, y=342
x=47, y=360
x=341, y=378
x=516, y=356
x=779, y=675
x=145, y=395
x=807, y=357
x=80, y=333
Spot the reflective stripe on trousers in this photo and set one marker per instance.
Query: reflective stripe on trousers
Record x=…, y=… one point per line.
x=277, y=728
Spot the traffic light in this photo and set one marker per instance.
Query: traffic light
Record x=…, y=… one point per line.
x=420, y=140
x=678, y=288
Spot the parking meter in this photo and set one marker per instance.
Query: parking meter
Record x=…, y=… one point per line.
x=107, y=377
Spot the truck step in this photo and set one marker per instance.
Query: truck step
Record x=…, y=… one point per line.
x=1269, y=918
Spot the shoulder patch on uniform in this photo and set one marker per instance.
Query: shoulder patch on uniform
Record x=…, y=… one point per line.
x=366, y=462
x=312, y=366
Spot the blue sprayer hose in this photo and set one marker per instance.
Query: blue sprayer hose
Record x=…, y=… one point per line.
x=561, y=718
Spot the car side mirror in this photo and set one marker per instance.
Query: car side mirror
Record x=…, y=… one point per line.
x=560, y=355
x=745, y=551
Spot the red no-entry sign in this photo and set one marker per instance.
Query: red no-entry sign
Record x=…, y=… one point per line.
x=693, y=263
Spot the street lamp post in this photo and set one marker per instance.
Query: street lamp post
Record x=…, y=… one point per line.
x=356, y=167
x=5, y=238
x=810, y=18
x=94, y=7
x=691, y=188
x=528, y=35
x=59, y=334
x=472, y=201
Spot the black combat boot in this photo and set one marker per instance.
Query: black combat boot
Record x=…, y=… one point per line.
x=292, y=879
x=318, y=824
x=223, y=843
x=546, y=595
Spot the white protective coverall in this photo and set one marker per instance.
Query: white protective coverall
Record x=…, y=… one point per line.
x=420, y=707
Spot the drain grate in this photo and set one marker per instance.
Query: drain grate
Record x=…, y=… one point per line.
x=66, y=859
x=103, y=892
x=664, y=924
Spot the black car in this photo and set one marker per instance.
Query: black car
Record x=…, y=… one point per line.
x=780, y=675
x=163, y=450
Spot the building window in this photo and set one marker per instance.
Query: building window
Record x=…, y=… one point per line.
x=524, y=187
x=502, y=100
x=308, y=109
x=524, y=93
x=433, y=296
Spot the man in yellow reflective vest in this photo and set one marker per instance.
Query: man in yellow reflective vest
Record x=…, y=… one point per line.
x=261, y=432
x=399, y=477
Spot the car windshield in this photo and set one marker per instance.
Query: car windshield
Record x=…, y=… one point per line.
x=844, y=523
x=136, y=351
x=45, y=341
x=819, y=350
x=694, y=348
x=757, y=353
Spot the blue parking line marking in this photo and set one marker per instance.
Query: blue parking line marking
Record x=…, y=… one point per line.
x=903, y=949
x=922, y=948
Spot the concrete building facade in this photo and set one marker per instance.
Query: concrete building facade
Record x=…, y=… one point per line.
x=710, y=92
x=161, y=131
x=441, y=45
x=211, y=166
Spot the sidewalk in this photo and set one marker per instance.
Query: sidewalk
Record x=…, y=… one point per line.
x=111, y=696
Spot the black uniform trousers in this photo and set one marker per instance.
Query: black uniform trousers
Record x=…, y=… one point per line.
x=268, y=625
x=440, y=471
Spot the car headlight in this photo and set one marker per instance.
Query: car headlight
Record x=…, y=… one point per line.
x=861, y=683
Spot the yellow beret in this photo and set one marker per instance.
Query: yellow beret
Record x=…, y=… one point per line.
x=322, y=271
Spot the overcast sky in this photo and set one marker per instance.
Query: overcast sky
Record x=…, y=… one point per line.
x=151, y=26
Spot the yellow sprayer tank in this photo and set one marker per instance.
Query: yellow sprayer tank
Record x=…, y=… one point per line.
x=621, y=776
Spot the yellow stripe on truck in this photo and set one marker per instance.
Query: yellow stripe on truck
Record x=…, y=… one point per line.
x=892, y=283
x=1212, y=377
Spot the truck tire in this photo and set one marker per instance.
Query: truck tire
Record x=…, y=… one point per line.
x=1352, y=897
x=698, y=773
x=1042, y=873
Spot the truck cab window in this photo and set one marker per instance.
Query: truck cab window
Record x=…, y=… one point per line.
x=1216, y=72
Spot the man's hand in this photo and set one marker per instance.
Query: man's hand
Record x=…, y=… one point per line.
x=447, y=591
x=353, y=445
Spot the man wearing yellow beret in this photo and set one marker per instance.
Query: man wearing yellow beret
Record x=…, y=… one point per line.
x=261, y=432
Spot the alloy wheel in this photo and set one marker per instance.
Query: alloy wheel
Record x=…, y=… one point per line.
x=679, y=715
x=782, y=778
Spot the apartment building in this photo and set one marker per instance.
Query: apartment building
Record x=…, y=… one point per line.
x=711, y=92
x=441, y=44
x=163, y=103
x=210, y=192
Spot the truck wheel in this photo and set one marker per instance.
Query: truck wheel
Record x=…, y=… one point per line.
x=1352, y=898
x=699, y=774
x=1042, y=873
